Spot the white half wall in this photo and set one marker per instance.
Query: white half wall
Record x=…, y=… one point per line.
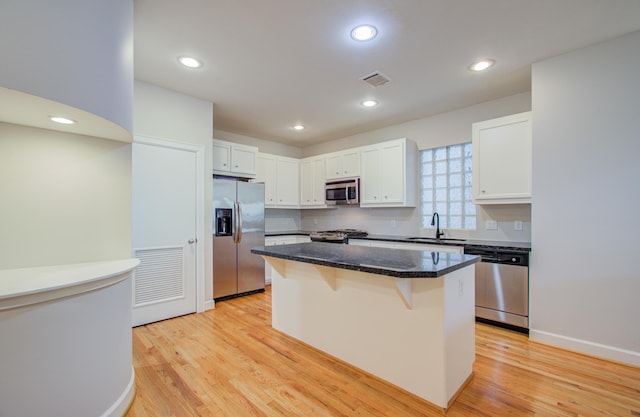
x=585, y=280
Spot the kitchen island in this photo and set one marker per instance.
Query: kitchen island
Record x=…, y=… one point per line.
x=405, y=316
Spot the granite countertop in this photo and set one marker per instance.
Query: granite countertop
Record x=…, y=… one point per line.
x=288, y=232
x=382, y=261
x=467, y=243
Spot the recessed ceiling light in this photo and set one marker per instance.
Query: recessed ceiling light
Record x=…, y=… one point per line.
x=364, y=32
x=482, y=65
x=369, y=103
x=189, y=62
x=298, y=127
x=62, y=120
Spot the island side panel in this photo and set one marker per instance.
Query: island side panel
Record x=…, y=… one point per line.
x=363, y=321
x=459, y=326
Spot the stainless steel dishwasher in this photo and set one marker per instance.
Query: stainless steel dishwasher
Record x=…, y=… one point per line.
x=502, y=287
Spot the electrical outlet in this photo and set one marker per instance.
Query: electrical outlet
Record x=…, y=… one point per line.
x=491, y=225
x=517, y=225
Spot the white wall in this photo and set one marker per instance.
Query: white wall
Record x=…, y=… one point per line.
x=585, y=280
x=264, y=146
x=430, y=132
x=165, y=114
x=65, y=198
x=282, y=220
x=76, y=52
x=444, y=129
x=440, y=130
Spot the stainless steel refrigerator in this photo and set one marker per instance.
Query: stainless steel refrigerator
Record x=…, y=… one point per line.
x=238, y=226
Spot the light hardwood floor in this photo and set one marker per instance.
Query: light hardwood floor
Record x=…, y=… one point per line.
x=230, y=362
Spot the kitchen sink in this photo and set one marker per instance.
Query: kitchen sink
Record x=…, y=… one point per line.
x=433, y=239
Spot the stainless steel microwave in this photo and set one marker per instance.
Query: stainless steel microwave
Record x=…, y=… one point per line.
x=342, y=192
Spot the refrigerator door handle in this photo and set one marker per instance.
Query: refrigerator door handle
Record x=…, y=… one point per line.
x=239, y=217
x=235, y=222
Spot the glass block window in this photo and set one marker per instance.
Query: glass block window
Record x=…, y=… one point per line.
x=445, y=186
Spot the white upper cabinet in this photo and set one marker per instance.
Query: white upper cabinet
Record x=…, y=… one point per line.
x=266, y=173
x=281, y=178
x=288, y=182
x=388, y=174
x=312, y=180
x=502, y=154
x=221, y=156
x=343, y=164
x=233, y=159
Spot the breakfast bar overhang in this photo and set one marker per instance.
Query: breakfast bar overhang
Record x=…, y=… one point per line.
x=404, y=316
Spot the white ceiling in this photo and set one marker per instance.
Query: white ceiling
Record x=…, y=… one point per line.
x=269, y=64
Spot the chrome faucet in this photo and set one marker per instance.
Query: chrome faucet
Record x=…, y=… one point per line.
x=436, y=223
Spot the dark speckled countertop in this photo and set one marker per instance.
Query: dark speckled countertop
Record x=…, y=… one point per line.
x=391, y=262
x=467, y=243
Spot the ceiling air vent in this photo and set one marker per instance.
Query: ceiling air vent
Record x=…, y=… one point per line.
x=376, y=79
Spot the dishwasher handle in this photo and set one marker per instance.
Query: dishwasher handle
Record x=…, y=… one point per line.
x=500, y=257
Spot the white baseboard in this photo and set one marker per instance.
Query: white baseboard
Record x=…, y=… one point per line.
x=209, y=305
x=122, y=404
x=584, y=346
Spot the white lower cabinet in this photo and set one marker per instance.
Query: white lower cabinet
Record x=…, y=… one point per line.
x=429, y=248
x=281, y=240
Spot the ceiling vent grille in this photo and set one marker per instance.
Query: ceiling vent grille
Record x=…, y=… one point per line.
x=376, y=79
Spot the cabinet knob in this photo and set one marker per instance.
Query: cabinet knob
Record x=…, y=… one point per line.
x=337, y=173
x=236, y=166
x=224, y=165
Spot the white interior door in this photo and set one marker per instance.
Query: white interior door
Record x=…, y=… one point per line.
x=164, y=198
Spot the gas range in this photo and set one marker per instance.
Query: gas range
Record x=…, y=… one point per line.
x=336, y=236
